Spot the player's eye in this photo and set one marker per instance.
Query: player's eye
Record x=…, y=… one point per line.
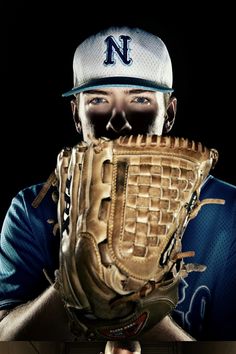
x=97, y=100
x=141, y=100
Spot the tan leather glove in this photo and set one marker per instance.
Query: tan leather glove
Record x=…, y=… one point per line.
x=123, y=208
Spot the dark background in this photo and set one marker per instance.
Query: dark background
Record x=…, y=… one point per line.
x=38, y=40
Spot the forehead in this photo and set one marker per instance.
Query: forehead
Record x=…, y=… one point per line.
x=123, y=91
x=123, y=351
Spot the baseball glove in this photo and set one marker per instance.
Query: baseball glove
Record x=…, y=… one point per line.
x=122, y=211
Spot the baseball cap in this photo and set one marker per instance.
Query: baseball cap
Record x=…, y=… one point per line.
x=122, y=57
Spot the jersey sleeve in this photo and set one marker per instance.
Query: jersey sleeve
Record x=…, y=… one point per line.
x=224, y=311
x=27, y=247
x=207, y=306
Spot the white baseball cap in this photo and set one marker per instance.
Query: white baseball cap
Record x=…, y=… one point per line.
x=122, y=57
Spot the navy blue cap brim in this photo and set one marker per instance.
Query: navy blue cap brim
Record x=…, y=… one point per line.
x=118, y=81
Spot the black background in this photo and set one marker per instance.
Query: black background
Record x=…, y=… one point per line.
x=37, y=45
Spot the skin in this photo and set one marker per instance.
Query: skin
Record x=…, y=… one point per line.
x=124, y=348
x=123, y=351
x=109, y=112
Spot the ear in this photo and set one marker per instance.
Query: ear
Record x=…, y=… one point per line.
x=170, y=114
x=75, y=116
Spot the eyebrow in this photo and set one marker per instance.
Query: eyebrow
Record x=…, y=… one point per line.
x=97, y=92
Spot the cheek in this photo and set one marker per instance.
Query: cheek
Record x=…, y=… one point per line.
x=142, y=120
x=97, y=121
x=96, y=116
x=93, y=120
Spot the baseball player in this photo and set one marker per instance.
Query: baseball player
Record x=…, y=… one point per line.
x=122, y=86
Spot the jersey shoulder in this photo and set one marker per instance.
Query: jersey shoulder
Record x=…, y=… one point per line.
x=218, y=188
x=37, y=197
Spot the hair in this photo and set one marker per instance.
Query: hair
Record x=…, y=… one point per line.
x=132, y=346
x=167, y=97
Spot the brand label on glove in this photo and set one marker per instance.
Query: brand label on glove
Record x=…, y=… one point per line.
x=129, y=329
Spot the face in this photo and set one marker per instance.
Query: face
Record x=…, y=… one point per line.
x=123, y=351
x=112, y=112
x=119, y=351
x=128, y=348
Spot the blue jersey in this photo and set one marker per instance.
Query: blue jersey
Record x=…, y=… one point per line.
x=206, y=307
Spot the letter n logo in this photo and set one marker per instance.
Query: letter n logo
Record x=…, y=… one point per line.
x=120, y=49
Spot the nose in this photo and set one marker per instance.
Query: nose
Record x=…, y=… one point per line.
x=118, y=122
